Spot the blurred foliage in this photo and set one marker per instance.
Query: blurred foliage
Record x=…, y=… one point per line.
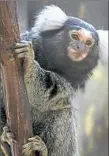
x=94, y=116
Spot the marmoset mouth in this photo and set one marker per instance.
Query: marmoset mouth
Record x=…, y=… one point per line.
x=76, y=55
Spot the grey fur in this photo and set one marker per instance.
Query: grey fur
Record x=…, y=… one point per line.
x=53, y=119
x=52, y=113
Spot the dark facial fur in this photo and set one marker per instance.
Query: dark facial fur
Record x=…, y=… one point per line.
x=53, y=56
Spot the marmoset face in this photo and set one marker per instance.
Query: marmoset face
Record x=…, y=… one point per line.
x=81, y=44
x=71, y=51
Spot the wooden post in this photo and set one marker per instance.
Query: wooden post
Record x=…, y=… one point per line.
x=17, y=105
x=82, y=10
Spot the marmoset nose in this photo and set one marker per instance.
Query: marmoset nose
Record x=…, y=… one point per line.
x=80, y=46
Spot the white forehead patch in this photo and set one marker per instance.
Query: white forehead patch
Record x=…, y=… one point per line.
x=50, y=18
x=86, y=33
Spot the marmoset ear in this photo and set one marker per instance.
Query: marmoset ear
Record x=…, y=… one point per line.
x=103, y=46
x=50, y=18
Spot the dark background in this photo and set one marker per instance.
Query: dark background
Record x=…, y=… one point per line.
x=95, y=12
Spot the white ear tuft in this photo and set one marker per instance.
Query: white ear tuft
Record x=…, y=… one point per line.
x=103, y=45
x=50, y=18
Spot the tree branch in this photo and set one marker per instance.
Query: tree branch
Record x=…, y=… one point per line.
x=17, y=105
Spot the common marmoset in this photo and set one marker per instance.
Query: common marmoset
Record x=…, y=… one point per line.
x=65, y=51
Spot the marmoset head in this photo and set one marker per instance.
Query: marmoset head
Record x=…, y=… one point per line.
x=83, y=39
x=67, y=45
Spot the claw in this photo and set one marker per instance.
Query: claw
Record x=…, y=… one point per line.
x=7, y=136
x=7, y=139
x=23, y=50
x=35, y=144
x=21, y=44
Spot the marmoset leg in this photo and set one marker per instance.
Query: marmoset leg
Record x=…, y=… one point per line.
x=34, y=144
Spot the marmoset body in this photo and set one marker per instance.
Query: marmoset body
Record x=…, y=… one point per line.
x=63, y=54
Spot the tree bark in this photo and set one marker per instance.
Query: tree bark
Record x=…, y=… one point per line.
x=16, y=100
